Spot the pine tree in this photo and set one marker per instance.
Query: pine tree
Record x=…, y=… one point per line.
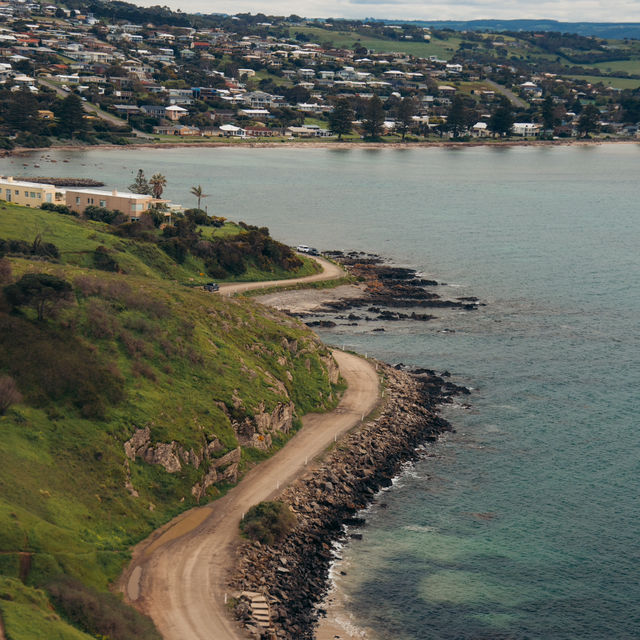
x=589, y=120
x=70, y=116
x=501, y=121
x=341, y=117
x=549, y=119
x=457, y=118
x=406, y=110
x=374, y=117
x=141, y=185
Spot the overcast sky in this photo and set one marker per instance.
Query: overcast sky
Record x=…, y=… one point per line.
x=570, y=10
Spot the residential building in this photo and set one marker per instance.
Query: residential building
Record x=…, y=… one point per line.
x=29, y=194
x=133, y=205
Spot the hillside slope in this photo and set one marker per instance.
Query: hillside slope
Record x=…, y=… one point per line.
x=140, y=397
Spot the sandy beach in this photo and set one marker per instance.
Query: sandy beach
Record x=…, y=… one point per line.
x=313, y=144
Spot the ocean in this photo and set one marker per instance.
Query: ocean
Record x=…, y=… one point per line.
x=525, y=523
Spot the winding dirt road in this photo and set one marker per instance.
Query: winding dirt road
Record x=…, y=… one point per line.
x=330, y=271
x=178, y=574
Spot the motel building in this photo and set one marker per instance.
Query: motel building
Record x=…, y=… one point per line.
x=132, y=205
x=29, y=194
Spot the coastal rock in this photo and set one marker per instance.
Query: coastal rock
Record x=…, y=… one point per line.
x=295, y=571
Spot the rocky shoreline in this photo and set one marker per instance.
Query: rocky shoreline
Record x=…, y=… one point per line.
x=279, y=588
x=389, y=293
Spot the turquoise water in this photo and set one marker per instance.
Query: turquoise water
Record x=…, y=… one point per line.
x=525, y=523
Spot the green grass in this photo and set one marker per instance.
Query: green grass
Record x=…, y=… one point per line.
x=443, y=49
x=629, y=66
x=618, y=83
x=77, y=239
x=130, y=351
x=27, y=614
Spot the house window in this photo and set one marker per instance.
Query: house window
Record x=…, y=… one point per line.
x=8, y=193
x=26, y=194
x=77, y=199
x=39, y=196
x=33, y=194
x=103, y=203
x=17, y=192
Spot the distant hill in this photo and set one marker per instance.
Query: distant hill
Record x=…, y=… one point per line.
x=618, y=30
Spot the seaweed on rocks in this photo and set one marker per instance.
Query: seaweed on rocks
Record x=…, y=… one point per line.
x=292, y=576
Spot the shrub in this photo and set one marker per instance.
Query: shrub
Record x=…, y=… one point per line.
x=268, y=522
x=100, y=214
x=103, y=260
x=9, y=393
x=99, y=614
x=43, y=291
x=58, y=208
x=175, y=248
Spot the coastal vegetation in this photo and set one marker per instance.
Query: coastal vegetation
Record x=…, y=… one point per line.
x=126, y=397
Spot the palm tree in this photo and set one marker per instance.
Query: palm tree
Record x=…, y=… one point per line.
x=158, y=182
x=198, y=193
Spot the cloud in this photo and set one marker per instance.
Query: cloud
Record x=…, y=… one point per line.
x=568, y=10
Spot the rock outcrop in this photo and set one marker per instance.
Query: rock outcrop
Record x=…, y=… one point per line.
x=251, y=431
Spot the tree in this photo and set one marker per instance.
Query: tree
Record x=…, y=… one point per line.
x=198, y=193
x=341, y=117
x=71, y=116
x=21, y=113
x=501, y=120
x=374, y=117
x=158, y=182
x=549, y=119
x=406, y=110
x=457, y=118
x=589, y=120
x=42, y=291
x=141, y=184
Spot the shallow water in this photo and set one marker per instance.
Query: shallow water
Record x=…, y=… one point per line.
x=525, y=523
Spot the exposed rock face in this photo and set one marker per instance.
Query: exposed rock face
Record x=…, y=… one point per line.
x=254, y=431
x=293, y=574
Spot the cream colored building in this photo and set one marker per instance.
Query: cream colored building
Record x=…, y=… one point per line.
x=132, y=205
x=29, y=194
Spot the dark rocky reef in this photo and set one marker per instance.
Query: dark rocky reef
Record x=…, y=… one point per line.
x=387, y=289
x=292, y=576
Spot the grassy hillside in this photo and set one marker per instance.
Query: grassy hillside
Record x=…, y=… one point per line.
x=140, y=397
x=436, y=47
x=78, y=239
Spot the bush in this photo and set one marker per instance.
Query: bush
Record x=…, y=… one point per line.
x=58, y=208
x=100, y=214
x=35, y=248
x=268, y=522
x=9, y=393
x=99, y=614
x=103, y=260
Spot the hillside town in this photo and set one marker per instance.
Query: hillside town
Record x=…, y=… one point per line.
x=70, y=75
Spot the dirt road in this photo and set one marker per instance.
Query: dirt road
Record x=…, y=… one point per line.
x=177, y=576
x=329, y=271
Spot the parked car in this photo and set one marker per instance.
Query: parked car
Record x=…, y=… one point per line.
x=302, y=248
x=212, y=286
x=313, y=251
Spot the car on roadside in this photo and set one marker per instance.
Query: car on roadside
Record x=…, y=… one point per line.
x=302, y=248
x=212, y=287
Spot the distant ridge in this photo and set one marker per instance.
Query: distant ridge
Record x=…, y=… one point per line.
x=599, y=29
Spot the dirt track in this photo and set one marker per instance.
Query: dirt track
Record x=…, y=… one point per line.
x=329, y=271
x=178, y=574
